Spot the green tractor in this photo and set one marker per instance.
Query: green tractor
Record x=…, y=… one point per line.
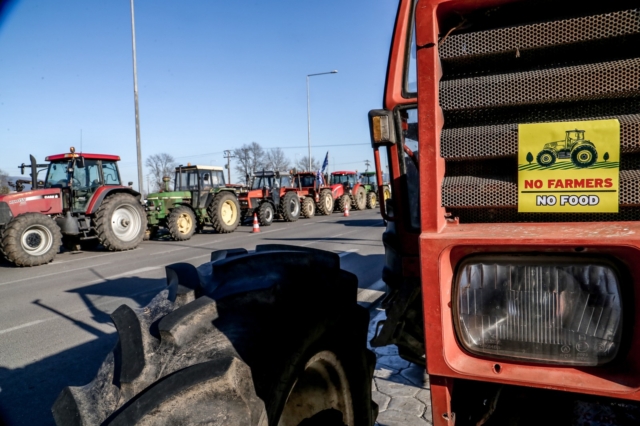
x=368, y=180
x=200, y=199
x=581, y=152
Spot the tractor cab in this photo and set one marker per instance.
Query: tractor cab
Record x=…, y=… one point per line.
x=79, y=176
x=573, y=137
x=347, y=179
x=200, y=181
x=368, y=178
x=271, y=180
x=305, y=180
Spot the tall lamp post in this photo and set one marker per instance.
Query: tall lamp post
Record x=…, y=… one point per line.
x=135, y=98
x=309, y=111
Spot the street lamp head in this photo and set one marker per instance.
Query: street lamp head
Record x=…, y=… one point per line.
x=334, y=72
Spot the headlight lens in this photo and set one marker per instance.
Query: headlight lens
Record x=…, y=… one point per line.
x=542, y=309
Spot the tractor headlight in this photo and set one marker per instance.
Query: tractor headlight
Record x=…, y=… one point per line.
x=544, y=309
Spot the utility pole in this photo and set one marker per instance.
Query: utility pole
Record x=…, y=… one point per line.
x=228, y=156
x=367, y=163
x=135, y=99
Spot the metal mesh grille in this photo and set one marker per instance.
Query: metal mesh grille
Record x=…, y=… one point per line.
x=542, y=34
x=502, y=140
x=511, y=215
x=502, y=191
x=617, y=79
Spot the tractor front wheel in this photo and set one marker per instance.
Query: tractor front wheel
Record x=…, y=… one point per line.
x=31, y=239
x=308, y=208
x=121, y=222
x=546, y=158
x=371, y=200
x=265, y=214
x=224, y=212
x=181, y=223
x=360, y=199
x=325, y=204
x=290, y=207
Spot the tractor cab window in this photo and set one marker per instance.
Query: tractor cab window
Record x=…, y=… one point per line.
x=57, y=175
x=211, y=179
x=110, y=173
x=368, y=179
x=305, y=181
x=84, y=182
x=410, y=158
x=260, y=182
x=350, y=179
x=285, y=181
x=187, y=180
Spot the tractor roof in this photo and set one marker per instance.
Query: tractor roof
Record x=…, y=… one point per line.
x=268, y=173
x=84, y=155
x=343, y=173
x=218, y=168
x=368, y=173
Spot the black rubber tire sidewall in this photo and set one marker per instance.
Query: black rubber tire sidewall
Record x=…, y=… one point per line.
x=266, y=214
x=372, y=200
x=103, y=222
x=172, y=223
x=308, y=208
x=12, y=234
x=360, y=199
x=325, y=196
x=285, y=207
x=215, y=212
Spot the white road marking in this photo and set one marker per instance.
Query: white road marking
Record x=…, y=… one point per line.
x=52, y=274
x=18, y=327
x=372, y=293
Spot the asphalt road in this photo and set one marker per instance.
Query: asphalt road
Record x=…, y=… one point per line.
x=55, y=328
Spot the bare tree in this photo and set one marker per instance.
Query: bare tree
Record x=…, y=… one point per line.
x=303, y=164
x=160, y=165
x=250, y=158
x=4, y=182
x=276, y=160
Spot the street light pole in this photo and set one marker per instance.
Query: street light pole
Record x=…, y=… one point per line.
x=135, y=98
x=309, y=111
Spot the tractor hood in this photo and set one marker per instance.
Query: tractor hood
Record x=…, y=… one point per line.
x=46, y=201
x=169, y=195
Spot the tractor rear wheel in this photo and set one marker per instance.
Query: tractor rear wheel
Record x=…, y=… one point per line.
x=181, y=223
x=224, y=212
x=266, y=213
x=325, y=204
x=290, y=207
x=308, y=208
x=343, y=202
x=360, y=199
x=372, y=200
x=190, y=359
x=31, y=239
x=121, y=222
x=584, y=156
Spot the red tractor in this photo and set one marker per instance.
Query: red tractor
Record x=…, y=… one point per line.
x=82, y=200
x=271, y=194
x=347, y=190
x=314, y=197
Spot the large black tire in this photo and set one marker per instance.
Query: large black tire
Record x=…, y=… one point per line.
x=343, y=202
x=325, y=202
x=266, y=213
x=584, y=155
x=30, y=239
x=121, y=222
x=308, y=208
x=224, y=212
x=359, y=199
x=290, y=207
x=181, y=223
x=546, y=157
x=249, y=347
x=372, y=200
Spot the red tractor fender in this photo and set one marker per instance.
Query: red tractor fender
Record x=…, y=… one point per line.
x=46, y=201
x=103, y=192
x=337, y=190
x=355, y=188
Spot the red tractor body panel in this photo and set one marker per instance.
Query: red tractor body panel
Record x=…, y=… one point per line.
x=45, y=201
x=84, y=155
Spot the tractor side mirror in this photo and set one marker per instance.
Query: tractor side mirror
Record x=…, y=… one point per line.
x=80, y=162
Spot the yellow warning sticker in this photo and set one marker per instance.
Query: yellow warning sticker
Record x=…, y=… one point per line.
x=569, y=167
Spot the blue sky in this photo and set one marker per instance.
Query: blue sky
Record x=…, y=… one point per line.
x=212, y=75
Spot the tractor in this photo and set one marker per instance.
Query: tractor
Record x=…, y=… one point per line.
x=347, y=190
x=517, y=318
x=316, y=198
x=81, y=201
x=582, y=152
x=368, y=180
x=200, y=198
x=271, y=195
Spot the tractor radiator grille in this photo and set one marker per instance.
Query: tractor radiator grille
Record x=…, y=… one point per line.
x=572, y=68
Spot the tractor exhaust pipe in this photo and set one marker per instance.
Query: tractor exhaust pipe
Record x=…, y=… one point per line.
x=34, y=172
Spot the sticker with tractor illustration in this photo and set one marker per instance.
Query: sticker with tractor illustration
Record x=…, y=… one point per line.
x=569, y=167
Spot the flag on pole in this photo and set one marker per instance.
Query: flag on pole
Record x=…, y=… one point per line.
x=325, y=163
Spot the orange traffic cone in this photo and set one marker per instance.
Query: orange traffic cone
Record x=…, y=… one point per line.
x=256, y=225
x=346, y=210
